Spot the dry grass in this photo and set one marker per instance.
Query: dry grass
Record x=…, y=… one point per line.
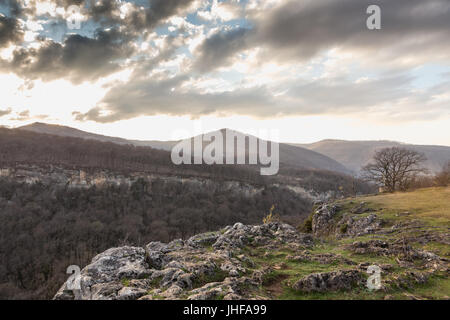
x=430, y=204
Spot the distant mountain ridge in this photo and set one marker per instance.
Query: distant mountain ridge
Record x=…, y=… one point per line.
x=356, y=154
x=341, y=156
x=65, y=131
x=290, y=156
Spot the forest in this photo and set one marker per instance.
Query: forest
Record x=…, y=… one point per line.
x=44, y=229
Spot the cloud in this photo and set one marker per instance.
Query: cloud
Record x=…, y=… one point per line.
x=21, y=116
x=258, y=58
x=82, y=57
x=14, y=7
x=412, y=31
x=223, y=11
x=219, y=49
x=79, y=58
x=10, y=31
x=136, y=17
x=389, y=95
x=5, y=112
x=25, y=116
x=167, y=96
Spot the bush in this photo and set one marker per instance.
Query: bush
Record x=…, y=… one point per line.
x=271, y=217
x=306, y=227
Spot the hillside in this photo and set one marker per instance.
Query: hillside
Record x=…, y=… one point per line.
x=65, y=131
x=65, y=199
x=355, y=154
x=404, y=235
x=290, y=156
x=30, y=148
x=20, y=148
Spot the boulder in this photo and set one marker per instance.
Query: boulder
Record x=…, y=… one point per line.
x=109, y=267
x=330, y=281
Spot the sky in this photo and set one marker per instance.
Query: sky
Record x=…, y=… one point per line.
x=311, y=69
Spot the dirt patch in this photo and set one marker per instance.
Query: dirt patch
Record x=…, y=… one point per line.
x=274, y=288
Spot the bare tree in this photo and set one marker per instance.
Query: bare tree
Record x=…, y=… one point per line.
x=394, y=168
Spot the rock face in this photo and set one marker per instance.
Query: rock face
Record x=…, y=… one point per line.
x=322, y=220
x=101, y=279
x=327, y=221
x=203, y=267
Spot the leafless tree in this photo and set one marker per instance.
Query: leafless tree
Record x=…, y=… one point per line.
x=394, y=168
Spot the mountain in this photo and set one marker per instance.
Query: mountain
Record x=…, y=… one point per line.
x=355, y=154
x=290, y=156
x=65, y=131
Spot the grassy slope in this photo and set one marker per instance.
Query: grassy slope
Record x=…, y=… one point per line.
x=427, y=208
x=431, y=205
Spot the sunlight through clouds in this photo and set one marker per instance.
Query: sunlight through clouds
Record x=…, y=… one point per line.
x=252, y=61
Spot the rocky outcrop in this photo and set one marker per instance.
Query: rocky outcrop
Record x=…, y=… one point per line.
x=328, y=220
x=322, y=258
x=101, y=279
x=405, y=254
x=322, y=220
x=259, y=261
x=352, y=226
x=330, y=281
x=205, y=266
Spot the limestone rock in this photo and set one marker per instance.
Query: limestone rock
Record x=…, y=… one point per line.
x=100, y=279
x=330, y=281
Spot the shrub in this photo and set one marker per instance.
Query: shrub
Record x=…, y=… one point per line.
x=307, y=225
x=271, y=217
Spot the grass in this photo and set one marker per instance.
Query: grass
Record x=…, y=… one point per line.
x=431, y=205
x=430, y=208
x=218, y=275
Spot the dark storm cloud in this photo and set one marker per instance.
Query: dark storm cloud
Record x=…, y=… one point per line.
x=163, y=9
x=78, y=58
x=322, y=24
x=298, y=30
x=218, y=49
x=140, y=18
x=103, y=9
x=10, y=31
x=81, y=58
